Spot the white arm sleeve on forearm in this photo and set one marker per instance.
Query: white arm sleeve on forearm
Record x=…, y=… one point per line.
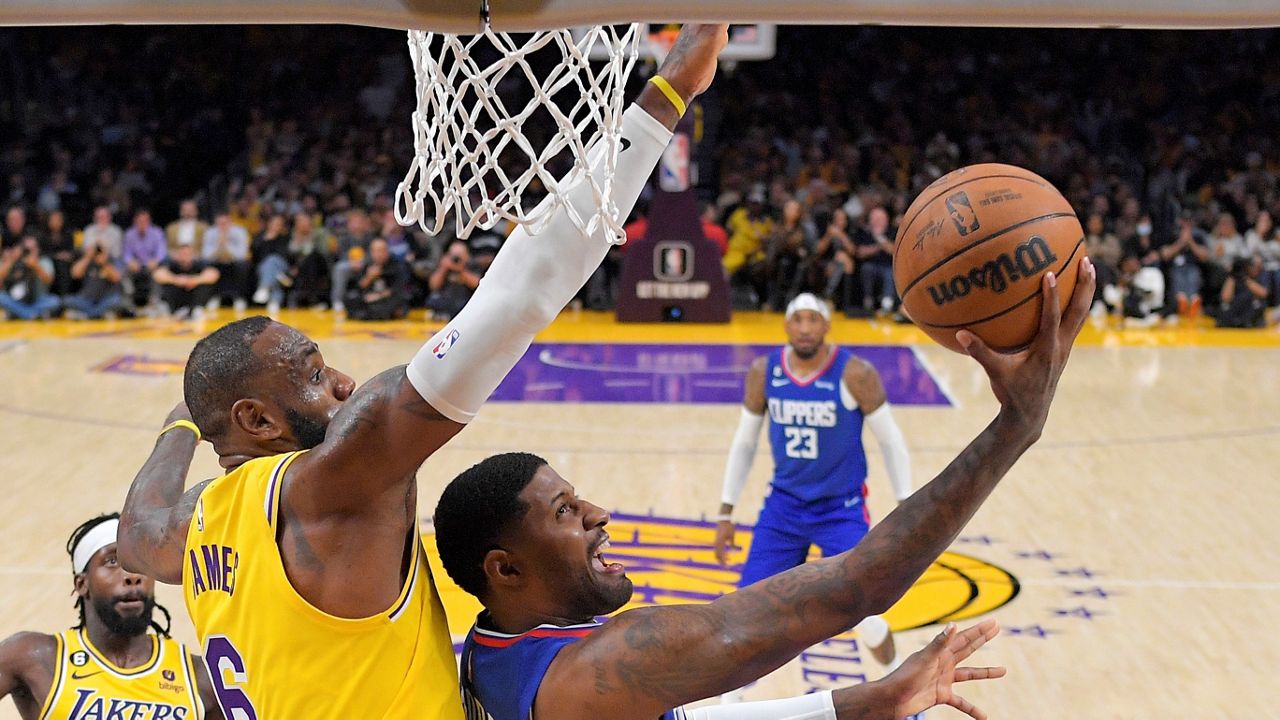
x=818, y=706
x=894, y=448
x=529, y=283
x=741, y=454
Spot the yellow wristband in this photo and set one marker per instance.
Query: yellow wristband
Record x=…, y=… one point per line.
x=183, y=424
x=662, y=84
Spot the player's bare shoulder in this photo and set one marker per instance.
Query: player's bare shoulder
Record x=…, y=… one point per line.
x=753, y=390
x=27, y=661
x=863, y=381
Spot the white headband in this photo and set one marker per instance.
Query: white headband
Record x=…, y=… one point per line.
x=808, y=301
x=99, y=537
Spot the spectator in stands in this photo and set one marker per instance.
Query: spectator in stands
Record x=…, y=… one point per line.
x=1142, y=244
x=101, y=293
x=452, y=283
x=310, y=248
x=1244, y=299
x=713, y=230
x=271, y=252
x=1184, y=256
x=1226, y=245
x=25, y=276
x=353, y=246
x=1137, y=295
x=15, y=227
x=745, y=262
x=186, y=283
x=787, y=247
x=144, y=250
x=226, y=249
x=188, y=229
x=874, y=250
x=1104, y=250
x=381, y=291
x=1263, y=241
x=57, y=244
x=104, y=232
x=832, y=263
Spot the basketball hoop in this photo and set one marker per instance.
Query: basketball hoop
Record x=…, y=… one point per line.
x=503, y=117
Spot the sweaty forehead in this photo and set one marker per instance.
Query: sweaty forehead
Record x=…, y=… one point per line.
x=281, y=345
x=545, y=487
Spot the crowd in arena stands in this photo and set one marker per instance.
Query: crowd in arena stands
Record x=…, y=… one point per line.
x=1163, y=143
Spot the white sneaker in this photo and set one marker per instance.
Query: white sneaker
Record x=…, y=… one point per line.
x=339, y=307
x=213, y=305
x=273, y=308
x=182, y=313
x=261, y=295
x=239, y=305
x=197, y=315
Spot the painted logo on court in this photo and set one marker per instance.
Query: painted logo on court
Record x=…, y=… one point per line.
x=670, y=561
x=962, y=214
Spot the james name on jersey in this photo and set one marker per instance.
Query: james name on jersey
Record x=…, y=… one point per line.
x=810, y=413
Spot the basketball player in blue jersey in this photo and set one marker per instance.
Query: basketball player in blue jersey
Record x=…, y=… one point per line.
x=108, y=666
x=516, y=535
x=817, y=397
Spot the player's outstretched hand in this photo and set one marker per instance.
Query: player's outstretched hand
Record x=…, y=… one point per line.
x=724, y=541
x=1024, y=381
x=926, y=678
x=691, y=64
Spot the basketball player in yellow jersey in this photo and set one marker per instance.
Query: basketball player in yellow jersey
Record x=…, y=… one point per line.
x=108, y=666
x=303, y=571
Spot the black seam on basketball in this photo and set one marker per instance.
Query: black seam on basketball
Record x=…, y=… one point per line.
x=949, y=188
x=1009, y=309
x=976, y=243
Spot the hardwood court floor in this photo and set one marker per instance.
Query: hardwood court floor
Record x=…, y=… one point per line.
x=1139, y=534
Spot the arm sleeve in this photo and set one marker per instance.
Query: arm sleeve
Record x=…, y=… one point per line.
x=741, y=454
x=894, y=447
x=530, y=281
x=818, y=706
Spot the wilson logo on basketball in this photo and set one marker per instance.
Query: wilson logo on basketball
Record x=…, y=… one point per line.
x=1028, y=259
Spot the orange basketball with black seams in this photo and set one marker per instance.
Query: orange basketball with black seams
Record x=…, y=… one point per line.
x=973, y=247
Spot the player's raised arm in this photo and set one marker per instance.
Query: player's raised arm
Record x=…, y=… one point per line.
x=650, y=660
x=157, y=511
x=395, y=421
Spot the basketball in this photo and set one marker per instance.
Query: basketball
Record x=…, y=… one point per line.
x=972, y=249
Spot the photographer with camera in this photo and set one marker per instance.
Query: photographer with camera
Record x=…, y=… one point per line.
x=25, y=276
x=451, y=283
x=100, y=278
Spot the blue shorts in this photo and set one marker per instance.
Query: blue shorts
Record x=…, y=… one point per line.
x=788, y=526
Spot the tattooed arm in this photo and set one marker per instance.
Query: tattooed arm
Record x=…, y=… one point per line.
x=157, y=513
x=650, y=660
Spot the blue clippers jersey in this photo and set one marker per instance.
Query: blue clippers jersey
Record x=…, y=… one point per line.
x=501, y=673
x=816, y=440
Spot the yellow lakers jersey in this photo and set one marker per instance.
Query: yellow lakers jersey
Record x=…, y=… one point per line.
x=273, y=655
x=88, y=686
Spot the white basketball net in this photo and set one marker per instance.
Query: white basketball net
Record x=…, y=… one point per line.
x=501, y=119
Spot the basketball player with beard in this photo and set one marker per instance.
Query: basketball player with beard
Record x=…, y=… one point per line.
x=517, y=536
x=817, y=397
x=108, y=666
